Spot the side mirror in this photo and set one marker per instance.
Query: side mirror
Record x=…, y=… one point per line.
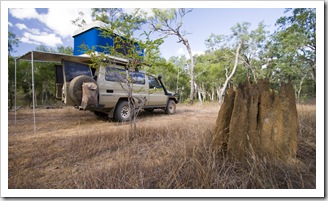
x=159, y=76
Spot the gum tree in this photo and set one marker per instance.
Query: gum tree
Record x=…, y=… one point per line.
x=169, y=22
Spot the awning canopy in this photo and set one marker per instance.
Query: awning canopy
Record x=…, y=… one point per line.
x=54, y=57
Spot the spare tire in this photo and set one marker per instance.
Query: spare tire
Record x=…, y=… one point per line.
x=75, y=88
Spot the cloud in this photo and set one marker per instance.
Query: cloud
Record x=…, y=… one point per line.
x=181, y=52
x=60, y=20
x=27, y=40
x=21, y=26
x=35, y=31
x=198, y=52
x=57, y=20
x=10, y=24
x=42, y=39
x=25, y=13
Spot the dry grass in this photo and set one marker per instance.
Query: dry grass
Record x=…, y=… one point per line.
x=73, y=149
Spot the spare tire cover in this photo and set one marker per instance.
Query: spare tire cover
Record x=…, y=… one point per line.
x=75, y=88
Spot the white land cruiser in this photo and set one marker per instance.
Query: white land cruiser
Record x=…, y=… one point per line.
x=102, y=91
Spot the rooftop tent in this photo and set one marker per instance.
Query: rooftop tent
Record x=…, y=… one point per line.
x=37, y=56
x=89, y=36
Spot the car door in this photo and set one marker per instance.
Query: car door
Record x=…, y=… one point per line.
x=112, y=86
x=156, y=95
x=109, y=83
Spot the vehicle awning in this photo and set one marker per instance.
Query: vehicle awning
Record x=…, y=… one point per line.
x=37, y=56
x=53, y=57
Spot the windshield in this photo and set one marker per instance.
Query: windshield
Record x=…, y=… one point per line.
x=73, y=70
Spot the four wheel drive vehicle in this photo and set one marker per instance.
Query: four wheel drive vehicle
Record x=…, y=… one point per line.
x=104, y=91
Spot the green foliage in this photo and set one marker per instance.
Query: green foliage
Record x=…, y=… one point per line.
x=44, y=76
x=60, y=49
x=13, y=41
x=292, y=51
x=79, y=21
x=287, y=55
x=106, y=15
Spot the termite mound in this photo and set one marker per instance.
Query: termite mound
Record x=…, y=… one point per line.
x=256, y=120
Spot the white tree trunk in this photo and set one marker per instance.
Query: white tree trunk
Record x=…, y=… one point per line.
x=192, y=72
x=198, y=93
x=212, y=95
x=222, y=90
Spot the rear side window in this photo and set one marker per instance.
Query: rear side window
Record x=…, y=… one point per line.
x=119, y=75
x=73, y=69
x=115, y=74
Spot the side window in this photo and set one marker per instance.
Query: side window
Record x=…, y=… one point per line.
x=119, y=75
x=153, y=83
x=115, y=74
x=138, y=78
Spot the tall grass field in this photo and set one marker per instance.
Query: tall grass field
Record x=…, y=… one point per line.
x=74, y=149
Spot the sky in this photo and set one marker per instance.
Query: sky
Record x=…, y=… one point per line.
x=52, y=26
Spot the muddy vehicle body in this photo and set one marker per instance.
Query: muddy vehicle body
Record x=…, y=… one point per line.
x=102, y=91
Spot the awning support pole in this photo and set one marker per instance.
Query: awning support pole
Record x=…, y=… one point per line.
x=15, y=88
x=33, y=91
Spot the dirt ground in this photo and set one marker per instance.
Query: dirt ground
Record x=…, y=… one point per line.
x=59, y=121
x=68, y=142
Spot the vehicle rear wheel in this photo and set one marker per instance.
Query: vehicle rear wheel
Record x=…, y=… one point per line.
x=75, y=88
x=123, y=112
x=171, y=107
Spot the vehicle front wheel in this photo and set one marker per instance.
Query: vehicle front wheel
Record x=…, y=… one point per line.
x=122, y=112
x=171, y=107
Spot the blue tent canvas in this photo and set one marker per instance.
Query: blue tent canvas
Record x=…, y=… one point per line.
x=89, y=37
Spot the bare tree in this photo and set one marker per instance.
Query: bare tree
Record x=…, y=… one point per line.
x=170, y=22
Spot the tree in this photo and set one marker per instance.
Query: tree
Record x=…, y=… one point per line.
x=170, y=22
x=124, y=29
x=252, y=50
x=234, y=44
x=181, y=75
x=60, y=49
x=79, y=21
x=106, y=15
x=297, y=33
x=13, y=41
x=291, y=54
